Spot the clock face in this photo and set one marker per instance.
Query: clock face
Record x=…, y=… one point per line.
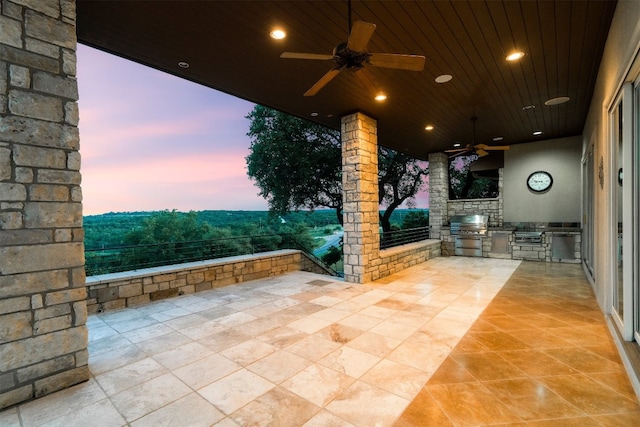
x=539, y=181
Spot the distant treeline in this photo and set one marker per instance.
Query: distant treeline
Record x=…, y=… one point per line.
x=110, y=229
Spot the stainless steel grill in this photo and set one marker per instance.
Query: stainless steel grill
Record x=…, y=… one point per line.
x=468, y=231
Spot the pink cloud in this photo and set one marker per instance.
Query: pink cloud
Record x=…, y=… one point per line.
x=151, y=141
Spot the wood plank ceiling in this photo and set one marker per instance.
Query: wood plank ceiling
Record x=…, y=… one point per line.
x=228, y=48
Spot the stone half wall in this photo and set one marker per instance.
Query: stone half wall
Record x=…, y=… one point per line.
x=130, y=288
x=396, y=259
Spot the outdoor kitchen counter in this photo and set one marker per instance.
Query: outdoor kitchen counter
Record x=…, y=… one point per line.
x=557, y=244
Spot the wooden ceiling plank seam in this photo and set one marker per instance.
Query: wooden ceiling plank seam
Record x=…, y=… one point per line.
x=517, y=24
x=511, y=115
x=490, y=37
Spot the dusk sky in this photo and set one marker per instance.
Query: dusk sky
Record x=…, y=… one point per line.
x=152, y=141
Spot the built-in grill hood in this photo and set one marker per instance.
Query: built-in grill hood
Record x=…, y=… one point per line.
x=469, y=225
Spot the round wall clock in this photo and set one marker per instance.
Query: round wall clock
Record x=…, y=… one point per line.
x=539, y=181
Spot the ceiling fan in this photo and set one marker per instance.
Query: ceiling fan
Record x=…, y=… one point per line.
x=480, y=149
x=353, y=56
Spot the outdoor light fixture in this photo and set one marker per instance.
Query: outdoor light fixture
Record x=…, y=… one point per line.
x=429, y=127
x=277, y=34
x=380, y=97
x=457, y=144
x=537, y=132
x=515, y=56
x=498, y=138
x=183, y=64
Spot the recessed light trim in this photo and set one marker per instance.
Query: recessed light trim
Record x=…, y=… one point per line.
x=498, y=138
x=456, y=145
x=277, y=34
x=444, y=78
x=183, y=64
x=515, y=56
x=314, y=114
x=528, y=107
x=537, y=133
x=428, y=127
x=558, y=100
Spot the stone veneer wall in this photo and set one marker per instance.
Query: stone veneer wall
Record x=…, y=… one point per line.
x=43, y=337
x=130, y=288
x=396, y=259
x=438, y=192
x=360, y=197
x=492, y=207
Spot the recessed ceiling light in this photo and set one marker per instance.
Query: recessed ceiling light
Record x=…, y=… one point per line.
x=429, y=127
x=515, y=56
x=528, y=107
x=278, y=34
x=183, y=64
x=314, y=114
x=444, y=78
x=456, y=145
x=498, y=138
x=537, y=132
x=380, y=97
x=558, y=100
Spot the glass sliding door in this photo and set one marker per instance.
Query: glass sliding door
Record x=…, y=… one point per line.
x=633, y=179
x=588, y=234
x=621, y=161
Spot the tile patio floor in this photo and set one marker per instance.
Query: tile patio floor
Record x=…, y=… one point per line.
x=304, y=349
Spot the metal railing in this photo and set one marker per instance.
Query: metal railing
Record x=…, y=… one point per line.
x=127, y=258
x=389, y=239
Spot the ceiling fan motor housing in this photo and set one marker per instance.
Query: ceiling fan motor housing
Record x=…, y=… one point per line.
x=350, y=59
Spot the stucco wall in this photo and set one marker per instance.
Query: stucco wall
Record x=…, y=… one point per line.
x=620, y=49
x=559, y=157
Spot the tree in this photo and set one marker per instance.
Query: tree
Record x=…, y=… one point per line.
x=168, y=226
x=297, y=164
x=462, y=183
x=416, y=218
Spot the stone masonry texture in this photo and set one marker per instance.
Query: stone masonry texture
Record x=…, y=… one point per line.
x=360, y=197
x=43, y=312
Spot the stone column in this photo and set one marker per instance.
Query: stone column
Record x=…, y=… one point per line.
x=438, y=192
x=43, y=336
x=360, y=198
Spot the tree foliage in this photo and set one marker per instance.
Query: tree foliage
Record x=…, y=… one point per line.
x=169, y=226
x=416, y=218
x=297, y=164
x=462, y=183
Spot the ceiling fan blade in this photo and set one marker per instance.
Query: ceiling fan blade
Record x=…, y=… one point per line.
x=457, y=150
x=481, y=153
x=400, y=61
x=361, y=33
x=491, y=147
x=301, y=55
x=322, y=82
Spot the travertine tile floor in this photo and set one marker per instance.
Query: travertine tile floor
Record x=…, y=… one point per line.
x=305, y=349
